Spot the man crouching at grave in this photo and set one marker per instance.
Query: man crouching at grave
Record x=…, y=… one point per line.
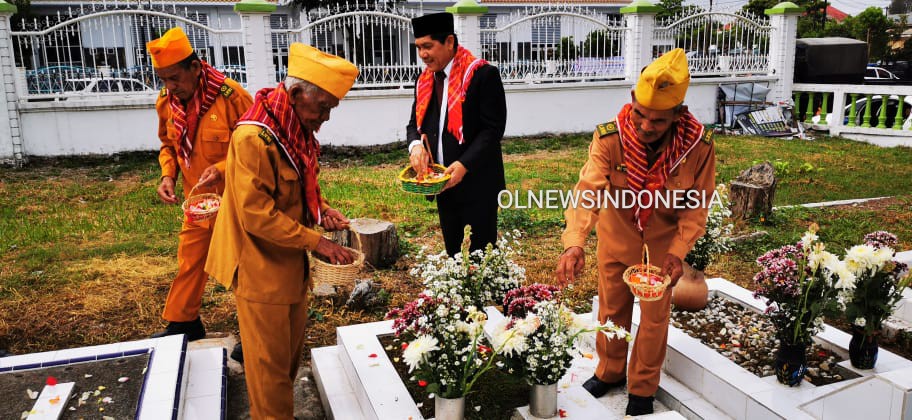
x=267, y=220
x=655, y=145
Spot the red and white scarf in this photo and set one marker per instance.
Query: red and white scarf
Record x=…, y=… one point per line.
x=464, y=66
x=187, y=120
x=687, y=133
x=272, y=110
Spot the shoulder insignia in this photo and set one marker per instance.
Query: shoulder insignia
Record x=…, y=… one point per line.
x=266, y=136
x=607, y=128
x=707, y=135
x=163, y=93
x=226, y=90
x=621, y=168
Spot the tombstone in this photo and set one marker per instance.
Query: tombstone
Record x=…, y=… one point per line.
x=378, y=241
x=752, y=191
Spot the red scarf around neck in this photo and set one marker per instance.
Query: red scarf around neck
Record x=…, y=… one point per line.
x=687, y=132
x=272, y=109
x=187, y=120
x=464, y=66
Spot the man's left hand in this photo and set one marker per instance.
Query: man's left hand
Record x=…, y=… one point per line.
x=210, y=176
x=672, y=268
x=334, y=220
x=456, y=171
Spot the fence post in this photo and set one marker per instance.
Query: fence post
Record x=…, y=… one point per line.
x=257, y=42
x=784, y=24
x=468, y=29
x=10, y=128
x=640, y=17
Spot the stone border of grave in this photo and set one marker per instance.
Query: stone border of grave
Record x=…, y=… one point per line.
x=882, y=393
x=179, y=383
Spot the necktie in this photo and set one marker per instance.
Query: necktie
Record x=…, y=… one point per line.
x=438, y=86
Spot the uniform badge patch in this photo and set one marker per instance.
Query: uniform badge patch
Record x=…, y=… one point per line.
x=607, y=128
x=622, y=167
x=266, y=136
x=226, y=90
x=707, y=135
x=163, y=92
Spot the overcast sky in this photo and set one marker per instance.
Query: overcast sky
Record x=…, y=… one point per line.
x=851, y=7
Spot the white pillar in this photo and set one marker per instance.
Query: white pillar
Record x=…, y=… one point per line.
x=467, y=26
x=640, y=17
x=784, y=24
x=11, y=151
x=257, y=43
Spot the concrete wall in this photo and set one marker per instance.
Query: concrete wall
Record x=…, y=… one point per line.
x=110, y=125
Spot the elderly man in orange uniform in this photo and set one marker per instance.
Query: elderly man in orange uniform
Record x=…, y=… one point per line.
x=654, y=146
x=267, y=220
x=197, y=111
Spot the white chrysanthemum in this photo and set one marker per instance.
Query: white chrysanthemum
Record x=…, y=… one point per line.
x=418, y=349
x=808, y=239
x=882, y=256
x=846, y=278
x=820, y=258
x=510, y=342
x=861, y=322
x=860, y=258
x=527, y=325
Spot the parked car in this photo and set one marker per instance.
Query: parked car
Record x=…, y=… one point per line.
x=878, y=110
x=52, y=79
x=96, y=85
x=879, y=74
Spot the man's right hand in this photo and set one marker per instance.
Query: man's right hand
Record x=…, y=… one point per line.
x=333, y=252
x=570, y=265
x=166, y=190
x=419, y=158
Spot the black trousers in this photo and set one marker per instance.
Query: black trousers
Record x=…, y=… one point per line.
x=480, y=214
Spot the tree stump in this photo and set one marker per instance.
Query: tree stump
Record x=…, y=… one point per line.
x=379, y=241
x=752, y=191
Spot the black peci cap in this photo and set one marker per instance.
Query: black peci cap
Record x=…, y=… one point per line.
x=434, y=23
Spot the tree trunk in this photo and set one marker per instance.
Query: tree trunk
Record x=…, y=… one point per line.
x=379, y=241
x=752, y=192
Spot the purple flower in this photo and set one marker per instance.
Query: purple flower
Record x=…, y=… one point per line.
x=880, y=239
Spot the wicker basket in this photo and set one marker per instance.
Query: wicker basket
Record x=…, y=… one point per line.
x=198, y=215
x=427, y=187
x=650, y=291
x=338, y=274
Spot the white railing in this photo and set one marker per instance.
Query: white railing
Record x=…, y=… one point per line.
x=872, y=110
x=554, y=43
x=717, y=43
x=378, y=41
x=100, y=52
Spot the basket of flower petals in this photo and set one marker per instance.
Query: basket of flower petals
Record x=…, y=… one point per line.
x=200, y=207
x=645, y=280
x=430, y=183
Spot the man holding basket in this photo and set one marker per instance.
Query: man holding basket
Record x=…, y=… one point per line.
x=271, y=206
x=197, y=110
x=654, y=146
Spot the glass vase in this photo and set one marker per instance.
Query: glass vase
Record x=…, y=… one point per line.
x=791, y=363
x=863, y=349
x=449, y=408
x=543, y=400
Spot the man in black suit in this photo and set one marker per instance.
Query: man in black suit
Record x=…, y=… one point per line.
x=461, y=111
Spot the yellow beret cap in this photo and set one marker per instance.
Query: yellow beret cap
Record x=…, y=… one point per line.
x=663, y=83
x=170, y=49
x=331, y=73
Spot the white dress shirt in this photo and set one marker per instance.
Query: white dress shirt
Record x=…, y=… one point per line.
x=443, y=113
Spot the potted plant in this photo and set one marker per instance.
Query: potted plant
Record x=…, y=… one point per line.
x=691, y=293
x=445, y=347
x=800, y=284
x=538, y=341
x=878, y=286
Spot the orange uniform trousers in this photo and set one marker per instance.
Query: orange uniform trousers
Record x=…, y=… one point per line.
x=186, y=294
x=649, y=345
x=273, y=337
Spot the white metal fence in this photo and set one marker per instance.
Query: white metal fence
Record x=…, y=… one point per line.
x=99, y=51
x=377, y=40
x=717, y=43
x=554, y=43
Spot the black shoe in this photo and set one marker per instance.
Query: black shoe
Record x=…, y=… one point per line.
x=194, y=330
x=638, y=406
x=597, y=388
x=238, y=353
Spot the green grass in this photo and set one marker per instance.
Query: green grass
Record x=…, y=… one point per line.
x=57, y=215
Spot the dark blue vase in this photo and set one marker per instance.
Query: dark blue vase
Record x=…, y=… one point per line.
x=863, y=349
x=791, y=363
